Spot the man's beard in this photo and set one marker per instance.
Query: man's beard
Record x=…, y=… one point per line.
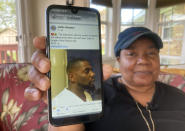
x=89, y=88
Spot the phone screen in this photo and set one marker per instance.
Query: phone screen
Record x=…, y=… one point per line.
x=73, y=37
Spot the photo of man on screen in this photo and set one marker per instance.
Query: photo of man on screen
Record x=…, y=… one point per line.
x=80, y=78
x=80, y=87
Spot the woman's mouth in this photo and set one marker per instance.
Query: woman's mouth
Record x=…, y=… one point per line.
x=143, y=73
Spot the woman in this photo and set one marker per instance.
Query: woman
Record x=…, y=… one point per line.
x=135, y=101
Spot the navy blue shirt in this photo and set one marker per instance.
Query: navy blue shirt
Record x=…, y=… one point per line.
x=121, y=113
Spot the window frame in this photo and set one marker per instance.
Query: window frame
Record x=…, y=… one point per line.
x=169, y=24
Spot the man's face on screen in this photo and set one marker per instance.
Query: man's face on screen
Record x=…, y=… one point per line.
x=84, y=74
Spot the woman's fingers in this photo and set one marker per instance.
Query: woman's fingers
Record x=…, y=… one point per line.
x=41, y=81
x=39, y=87
x=39, y=42
x=37, y=73
x=32, y=94
x=40, y=61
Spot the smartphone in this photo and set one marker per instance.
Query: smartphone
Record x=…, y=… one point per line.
x=74, y=49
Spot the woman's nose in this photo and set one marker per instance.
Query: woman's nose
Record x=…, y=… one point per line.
x=143, y=59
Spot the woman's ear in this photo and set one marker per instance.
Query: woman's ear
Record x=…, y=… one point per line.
x=118, y=59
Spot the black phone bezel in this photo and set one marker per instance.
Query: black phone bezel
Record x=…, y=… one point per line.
x=82, y=118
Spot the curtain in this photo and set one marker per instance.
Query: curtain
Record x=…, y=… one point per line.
x=164, y=3
x=139, y=3
x=124, y=3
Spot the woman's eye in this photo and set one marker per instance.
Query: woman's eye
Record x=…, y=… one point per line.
x=151, y=53
x=131, y=54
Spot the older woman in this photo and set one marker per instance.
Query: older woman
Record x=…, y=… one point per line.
x=134, y=101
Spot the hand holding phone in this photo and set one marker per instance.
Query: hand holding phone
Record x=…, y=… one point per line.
x=73, y=46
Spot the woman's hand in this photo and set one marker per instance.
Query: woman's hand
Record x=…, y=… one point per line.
x=40, y=65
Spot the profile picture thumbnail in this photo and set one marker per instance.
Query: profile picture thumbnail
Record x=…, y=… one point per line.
x=53, y=27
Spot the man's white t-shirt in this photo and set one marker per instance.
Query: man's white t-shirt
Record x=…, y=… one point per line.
x=66, y=97
x=66, y=103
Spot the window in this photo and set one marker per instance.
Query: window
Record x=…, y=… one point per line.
x=132, y=17
x=171, y=30
x=8, y=32
x=167, y=33
x=105, y=17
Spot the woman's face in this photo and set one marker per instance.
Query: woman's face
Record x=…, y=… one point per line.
x=140, y=64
